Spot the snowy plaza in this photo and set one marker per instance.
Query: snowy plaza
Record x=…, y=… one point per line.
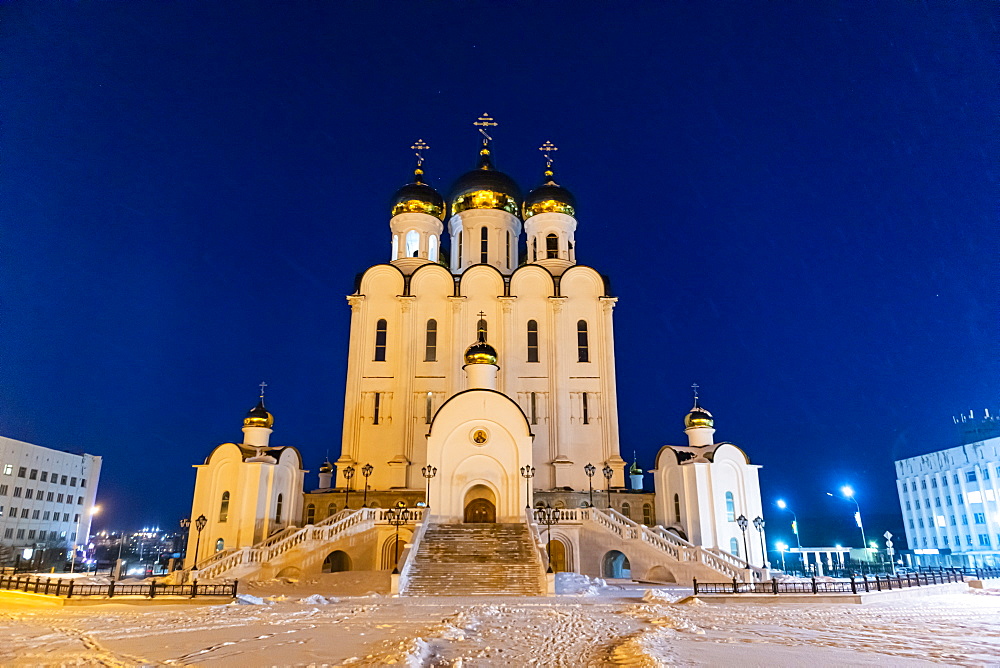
x=281, y=623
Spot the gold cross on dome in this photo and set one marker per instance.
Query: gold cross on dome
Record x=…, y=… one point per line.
x=485, y=121
x=262, y=386
x=547, y=148
x=419, y=146
x=694, y=387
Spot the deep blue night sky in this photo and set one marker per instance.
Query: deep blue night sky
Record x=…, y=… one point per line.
x=796, y=206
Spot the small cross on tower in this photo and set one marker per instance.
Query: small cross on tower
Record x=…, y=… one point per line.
x=694, y=386
x=485, y=121
x=418, y=147
x=262, y=386
x=547, y=148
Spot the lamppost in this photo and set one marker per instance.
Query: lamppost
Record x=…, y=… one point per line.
x=186, y=525
x=608, y=472
x=548, y=516
x=348, y=474
x=590, y=471
x=366, y=471
x=428, y=473
x=848, y=493
x=397, y=517
x=781, y=548
x=795, y=527
x=199, y=524
x=758, y=524
x=527, y=472
x=742, y=522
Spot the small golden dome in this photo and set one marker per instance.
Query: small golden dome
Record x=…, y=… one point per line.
x=548, y=198
x=259, y=417
x=481, y=352
x=327, y=467
x=418, y=197
x=698, y=417
x=485, y=188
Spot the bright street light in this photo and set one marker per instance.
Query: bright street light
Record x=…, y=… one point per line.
x=781, y=504
x=847, y=491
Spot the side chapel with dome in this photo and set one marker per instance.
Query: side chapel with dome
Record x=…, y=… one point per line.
x=480, y=387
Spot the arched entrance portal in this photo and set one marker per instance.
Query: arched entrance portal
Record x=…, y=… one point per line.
x=480, y=505
x=558, y=557
x=336, y=562
x=616, y=565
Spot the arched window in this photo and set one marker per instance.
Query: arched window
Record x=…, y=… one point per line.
x=730, y=507
x=277, y=510
x=582, y=345
x=219, y=544
x=508, y=250
x=395, y=246
x=380, y=335
x=627, y=510
x=647, y=514
x=586, y=408
x=551, y=246
x=310, y=514
x=431, y=342
x=432, y=248
x=224, y=507
x=331, y=510
x=481, y=329
x=429, y=408
x=534, y=249
x=532, y=341
x=534, y=408
x=734, y=547
x=412, y=243
x=677, y=508
x=484, y=246
x=458, y=259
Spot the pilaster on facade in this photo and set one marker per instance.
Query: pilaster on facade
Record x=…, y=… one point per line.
x=609, y=383
x=557, y=381
x=507, y=327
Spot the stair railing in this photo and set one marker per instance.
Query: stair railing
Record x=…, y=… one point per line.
x=410, y=553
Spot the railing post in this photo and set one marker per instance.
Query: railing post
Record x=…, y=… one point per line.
x=48, y=583
x=864, y=576
x=152, y=590
x=58, y=586
x=111, y=589
x=735, y=588
x=235, y=585
x=854, y=585
x=774, y=585
x=194, y=588
x=69, y=594
x=878, y=584
x=695, y=581
x=815, y=590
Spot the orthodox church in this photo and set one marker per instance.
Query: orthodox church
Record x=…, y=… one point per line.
x=480, y=404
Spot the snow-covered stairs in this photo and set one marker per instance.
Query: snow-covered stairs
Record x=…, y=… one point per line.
x=469, y=559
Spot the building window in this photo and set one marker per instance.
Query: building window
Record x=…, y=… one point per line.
x=952, y=520
x=23, y=471
x=532, y=341
x=980, y=518
x=627, y=510
x=72, y=482
x=481, y=329
x=3, y=490
x=48, y=497
x=310, y=514
x=63, y=481
x=582, y=345
x=916, y=504
x=17, y=492
x=59, y=499
x=586, y=408
x=431, y=341
x=534, y=408
x=224, y=507
x=29, y=493
x=24, y=513
x=35, y=514
x=45, y=476
x=460, y=247
x=937, y=501
x=381, y=328
x=331, y=510
x=730, y=508
x=377, y=407
x=961, y=499
x=551, y=246
x=432, y=248
x=911, y=524
x=508, y=250
x=970, y=476
x=984, y=540
x=947, y=500
x=921, y=522
x=647, y=514
x=395, y=247
x=965, y=519
x=277, y=510
x=484, y=245
x=677, y=508
x=923, y=484
x=908, y=505
x=734, y=547
x=219, y=545
x=534, y=249
x=429, y=408
x=986, y=473
x=20, y=534
x=572, y=255
x=412, y=244
x=34, y=475
x=934, y=483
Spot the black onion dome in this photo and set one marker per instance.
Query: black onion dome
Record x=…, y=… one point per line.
x=549, y=197
x=418, y=197
x=485, y=188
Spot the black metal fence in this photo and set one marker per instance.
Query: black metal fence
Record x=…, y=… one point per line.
x=968, y=571
x=853, y=586
x=72, y=589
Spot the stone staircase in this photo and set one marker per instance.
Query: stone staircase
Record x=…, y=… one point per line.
x=471, y=559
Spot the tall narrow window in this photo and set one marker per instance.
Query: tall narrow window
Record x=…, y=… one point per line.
x=331, y=510
x=311, y=514
x=219, y=545
x=484, y=246
x=551, y=246
x=277, y=510
x=532, y=341
x=534, y=249
x=534, y=408
x=412, y=243
x=730, y=507
x=508, y=250
x=734, y=547
x=647, y=514
x=586, y=408
x=224, y=507
x=677, y=508
x=572, y=255
x=380, y=334
x=627, y=510
x=458, y=259
x=431, y=342
x=582, y=346
x=378, y=407
x=481, y=330
x=429, y=408
x=395, y=247
x=432, y=249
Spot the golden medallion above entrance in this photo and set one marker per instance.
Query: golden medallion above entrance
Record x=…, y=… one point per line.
x=480, y=436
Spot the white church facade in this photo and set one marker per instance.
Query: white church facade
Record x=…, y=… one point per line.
x=479, y=388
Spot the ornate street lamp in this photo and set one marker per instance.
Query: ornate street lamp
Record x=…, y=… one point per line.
x=548, y=516
x=527, y=472
x=348, y=474
x=199, y=524
x=758, y=524
x=186, y=525
x=608, y=472
x=397, y=517
x=590, y=471
x=428, y=473
x=742, y=522
x=366, y=471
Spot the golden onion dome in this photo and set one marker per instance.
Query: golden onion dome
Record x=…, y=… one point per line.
x=485, y=188
x=634, y=469
x=548, y=198
x=481, y=352
x=698, y=417
x=418, y=197
x=327, y=467
x=259, y=417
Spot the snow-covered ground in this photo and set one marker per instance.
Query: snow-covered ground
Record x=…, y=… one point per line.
x=347, y=619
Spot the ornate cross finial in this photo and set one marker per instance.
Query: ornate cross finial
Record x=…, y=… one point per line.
x=262, y=386
x=694, y=387
x=485, y=121
x=481, y=315
x=547, y=148
x=419, y=146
